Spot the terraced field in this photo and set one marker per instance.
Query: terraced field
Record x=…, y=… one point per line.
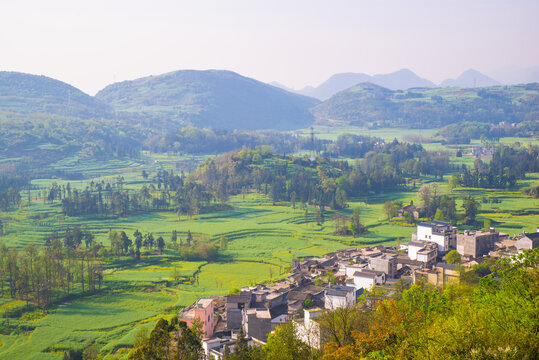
x=263, y=239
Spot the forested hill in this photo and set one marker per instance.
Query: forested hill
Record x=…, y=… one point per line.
x=368, y=104
x=212, y=98
x=31, y=94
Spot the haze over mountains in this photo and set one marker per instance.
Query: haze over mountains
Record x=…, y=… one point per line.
x=211, y=98
x=512, y=75
x=405, y=79
x=398, y=80
x=222, y=99
x=470, y=79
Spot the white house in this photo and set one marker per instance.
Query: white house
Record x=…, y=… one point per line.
x=424, y=251
x=366, y=279
x=440, y=232
x=309, y=330
x=336, y=297
x=351, y=269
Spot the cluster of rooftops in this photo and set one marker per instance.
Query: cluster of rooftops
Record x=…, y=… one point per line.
x=338, y=279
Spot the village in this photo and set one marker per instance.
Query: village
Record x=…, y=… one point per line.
x=337, y=280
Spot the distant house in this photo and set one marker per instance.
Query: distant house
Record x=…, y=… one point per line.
x=202, y=310
x=386, y=263
x=257, y=323
x=336, y=297
x=423, y=251
x=440, y=232
x=412, y=209
x=366, y=279
x=215, y=348
x=441, y=275
x=350, y=270
x=235, y=303
x=476, y=243
x=308, y=331
x=528, y=241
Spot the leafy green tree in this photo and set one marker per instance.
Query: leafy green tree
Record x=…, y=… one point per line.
x=453, y=257
x=125, y=241
x=242, y=350
x=390, y=209
x=189, y=238
x=284, y=344
x=160, y=244
x=439, y=215
x=138, y=243
x=487, y=224
x=356, y=227
x=223, y=242
x=471, y=206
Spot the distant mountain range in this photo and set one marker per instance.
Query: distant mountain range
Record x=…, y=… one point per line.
x=406, y=79
x=226, y=100
x=369, y=104
x=211, y=98
x=398, y=80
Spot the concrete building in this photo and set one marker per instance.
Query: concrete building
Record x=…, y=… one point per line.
x=202, y=310
x=366, y=279
x=440, y=275
x=440, y=232
x=308, y=331
x=235, y=303
x=476, y=243
x=424, y=251
x=528, y=241
x=428, y=254
x=336, y=297
x=257, y=323
x=351, y=269
x=386, y=263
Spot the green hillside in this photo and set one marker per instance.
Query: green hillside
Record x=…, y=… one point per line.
x=213, y=98
x=367, y=103
x=31, y=94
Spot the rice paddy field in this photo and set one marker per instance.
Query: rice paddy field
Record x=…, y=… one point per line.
x=263, y=240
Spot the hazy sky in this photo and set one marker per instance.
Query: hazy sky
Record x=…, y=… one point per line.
x=90, y=44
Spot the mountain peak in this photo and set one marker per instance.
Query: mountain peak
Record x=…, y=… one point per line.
x=211, y=98
x=470, y=78
x=399, y=80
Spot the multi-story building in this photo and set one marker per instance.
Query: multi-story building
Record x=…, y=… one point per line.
x=424, y=251
x=476, y=243
x=202, y=310
x=386, y=263
x=440, y=232
x=257, y=323
x=336, y=297
x=366, y=279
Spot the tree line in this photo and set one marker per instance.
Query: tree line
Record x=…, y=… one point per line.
x=74, y=261
x=508, y=165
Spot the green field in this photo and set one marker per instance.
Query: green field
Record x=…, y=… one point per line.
x=263, y=239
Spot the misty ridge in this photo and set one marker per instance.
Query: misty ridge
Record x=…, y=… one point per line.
x=222, y=99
